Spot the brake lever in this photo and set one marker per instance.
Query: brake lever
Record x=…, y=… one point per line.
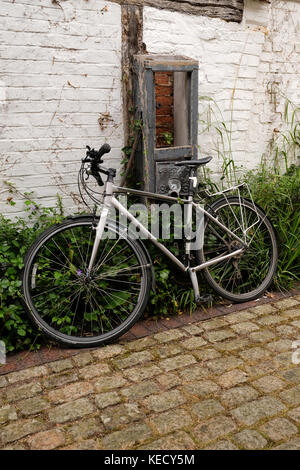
x=99, y=179
x=87, y=157
x=92, y=157
x=95, y=172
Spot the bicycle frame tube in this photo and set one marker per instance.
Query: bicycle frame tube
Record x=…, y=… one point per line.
x=162, y=197
x=198, y=207
x=111, y=201
x=146, y=232
x=154, y=240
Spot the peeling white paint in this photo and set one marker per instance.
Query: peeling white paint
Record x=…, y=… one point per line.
x=238, y=63
x=2, y=93
x=60, y=69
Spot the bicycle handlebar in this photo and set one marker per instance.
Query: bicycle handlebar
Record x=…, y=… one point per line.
x=94, y=157
x=106, y=148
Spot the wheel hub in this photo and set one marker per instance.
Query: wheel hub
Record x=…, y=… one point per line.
x=236, y=245
x=84, y=278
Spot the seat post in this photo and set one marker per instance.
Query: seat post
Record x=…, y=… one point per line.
x=192, y=185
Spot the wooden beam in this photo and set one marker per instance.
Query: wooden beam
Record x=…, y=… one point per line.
x=228, y=10
x=132, y=37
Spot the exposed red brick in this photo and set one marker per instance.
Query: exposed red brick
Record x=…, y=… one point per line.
x=164, y=110
x=128, y=336
x=163, y=78
x=139, y=330
x=165, y=101
x=160, y=130
x=173, y=322
x=164, y=89
x=165, y=120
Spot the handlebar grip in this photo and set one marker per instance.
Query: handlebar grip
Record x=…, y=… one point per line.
x=106, y=148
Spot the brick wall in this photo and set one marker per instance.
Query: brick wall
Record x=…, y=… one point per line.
x=241, y=67
x=60, y=84
x=60, y=89
x=164, y=93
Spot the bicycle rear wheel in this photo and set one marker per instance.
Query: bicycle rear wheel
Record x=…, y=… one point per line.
x=78, y=308
x=246, y=276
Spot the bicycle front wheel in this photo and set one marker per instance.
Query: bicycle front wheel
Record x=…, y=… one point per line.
x=73, y=306
x=246, y=276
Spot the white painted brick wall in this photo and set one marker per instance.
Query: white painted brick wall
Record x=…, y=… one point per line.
x=237, y=60
x=60, y=69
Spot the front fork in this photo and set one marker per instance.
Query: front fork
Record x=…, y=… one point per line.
x=101, y=224
x=99, y=232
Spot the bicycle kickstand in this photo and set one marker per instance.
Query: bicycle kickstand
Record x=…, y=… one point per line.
x=199, y=299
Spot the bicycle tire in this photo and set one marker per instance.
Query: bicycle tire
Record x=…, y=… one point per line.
x=44, y=268
x=250, y=261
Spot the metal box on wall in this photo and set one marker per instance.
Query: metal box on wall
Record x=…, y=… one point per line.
x=166, y=99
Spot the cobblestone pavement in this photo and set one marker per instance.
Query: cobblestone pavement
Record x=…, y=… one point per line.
x=224, y=383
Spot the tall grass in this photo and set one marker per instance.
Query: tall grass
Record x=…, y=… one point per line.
x=212, y=121
x=275, y=185
x=279, y=195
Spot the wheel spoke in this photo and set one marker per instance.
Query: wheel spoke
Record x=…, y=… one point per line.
x=77, y=304
x=244, y=273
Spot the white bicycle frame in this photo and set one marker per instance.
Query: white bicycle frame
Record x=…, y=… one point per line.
x=110, y=201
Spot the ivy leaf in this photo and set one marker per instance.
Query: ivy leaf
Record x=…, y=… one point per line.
x=164, y=274
x=21, y=332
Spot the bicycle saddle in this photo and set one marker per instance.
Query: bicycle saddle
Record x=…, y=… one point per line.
x=195, y=163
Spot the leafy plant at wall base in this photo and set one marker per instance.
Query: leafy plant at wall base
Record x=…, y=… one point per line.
x=15, y=330
x=275, y=185
x=279, y=196
x=15, y=238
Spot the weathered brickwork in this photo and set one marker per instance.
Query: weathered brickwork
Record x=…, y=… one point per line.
x=60, y=90
x=164, y=101
x=61, y=82
x=248, y=69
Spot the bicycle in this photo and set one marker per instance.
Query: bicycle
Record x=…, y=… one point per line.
x=84, y=289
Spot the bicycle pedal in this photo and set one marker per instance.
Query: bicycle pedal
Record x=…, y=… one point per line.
x=204, y=299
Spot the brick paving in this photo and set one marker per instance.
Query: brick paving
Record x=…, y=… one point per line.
x=222, y=379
